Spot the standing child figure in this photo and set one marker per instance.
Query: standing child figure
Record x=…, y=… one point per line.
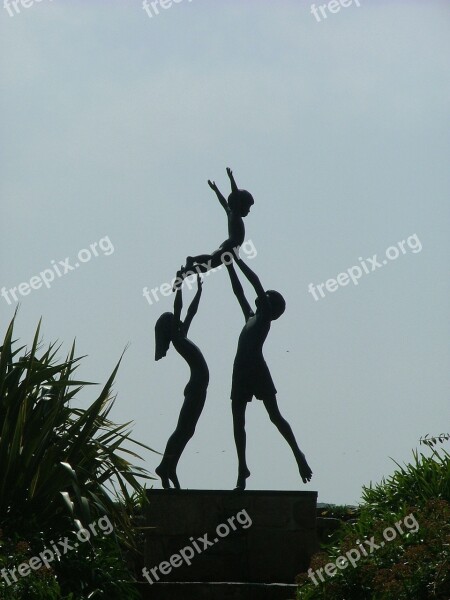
x=237, y=207
x=170, y=328
x=251, y=375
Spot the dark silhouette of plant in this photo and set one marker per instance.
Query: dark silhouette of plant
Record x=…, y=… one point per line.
x=61, y=466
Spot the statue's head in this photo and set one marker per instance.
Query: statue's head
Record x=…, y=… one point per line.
x=277, y=304
x=163, y=334
x=242, y=201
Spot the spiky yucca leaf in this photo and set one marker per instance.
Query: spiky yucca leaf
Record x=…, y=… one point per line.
x=59, y=462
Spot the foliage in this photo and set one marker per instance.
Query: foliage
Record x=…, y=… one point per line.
x=427, y=477
x=63, y=468
x=97, y=571
x=414, y=564
x=60, y=465
x=432, y=441
x=39, y=585
x=93, y=570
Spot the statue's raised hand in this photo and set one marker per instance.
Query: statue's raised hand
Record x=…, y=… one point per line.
x=213, y=186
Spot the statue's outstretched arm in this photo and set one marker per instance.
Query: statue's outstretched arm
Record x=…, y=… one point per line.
x=192, y=310
x=221, y=198
x=254, y=280
x=178, y=302
x=234, y=187
x=239, y=292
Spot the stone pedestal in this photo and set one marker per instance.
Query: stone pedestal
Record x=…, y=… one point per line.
x=252, y=537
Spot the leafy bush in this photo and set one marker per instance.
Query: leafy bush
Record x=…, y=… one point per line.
x=426, y=478
x=91, y=571
x=59, y=462
x=62, y=468
x=413, y=565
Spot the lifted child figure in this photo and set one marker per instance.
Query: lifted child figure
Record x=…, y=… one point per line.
x=170, y=328
x=237, y=207
x=251, y=375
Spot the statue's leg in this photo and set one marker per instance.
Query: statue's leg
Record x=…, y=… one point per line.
x=239, y=407
x=187, y=421
x=284, y=428
x=199, y=259
x=166, y=469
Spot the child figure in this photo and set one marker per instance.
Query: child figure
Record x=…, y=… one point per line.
x=170, y=328
x=237, y=207
x=251, y=375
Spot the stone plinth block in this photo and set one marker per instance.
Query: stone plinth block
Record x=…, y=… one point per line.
x=227, y=536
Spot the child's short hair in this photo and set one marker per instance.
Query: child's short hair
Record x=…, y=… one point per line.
x=277, y=304
x=240, y=198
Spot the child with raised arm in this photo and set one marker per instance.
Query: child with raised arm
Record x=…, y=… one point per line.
x=170, y=328
x=237, y=207
x=251, y=375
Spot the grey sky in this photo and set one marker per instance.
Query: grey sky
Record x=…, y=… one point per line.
x=111, y=123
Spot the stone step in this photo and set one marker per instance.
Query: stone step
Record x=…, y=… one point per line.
x=217, y=591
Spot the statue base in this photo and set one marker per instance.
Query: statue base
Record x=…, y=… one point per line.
x=208, y=536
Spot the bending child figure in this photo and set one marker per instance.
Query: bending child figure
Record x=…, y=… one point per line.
x=237, y=207
x=251, y=376
x=170, y=328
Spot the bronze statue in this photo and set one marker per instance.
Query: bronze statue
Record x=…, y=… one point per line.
x=251, y=375
x=170, y=328
x=237, y=207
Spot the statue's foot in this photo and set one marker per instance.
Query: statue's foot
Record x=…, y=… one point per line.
x=189, y=263
x=304, y=468
x=174, y=479
x=185, y=271
x=164, y=476
x=242, y=480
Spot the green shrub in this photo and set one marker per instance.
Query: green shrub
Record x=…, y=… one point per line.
x=62, y=468
x=414, y=565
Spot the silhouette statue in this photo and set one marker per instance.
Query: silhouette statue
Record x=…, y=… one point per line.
x=251, y=375
x=237, y=207
x=170, y=328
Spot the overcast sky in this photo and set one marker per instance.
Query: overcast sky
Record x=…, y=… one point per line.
x=112, y=121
